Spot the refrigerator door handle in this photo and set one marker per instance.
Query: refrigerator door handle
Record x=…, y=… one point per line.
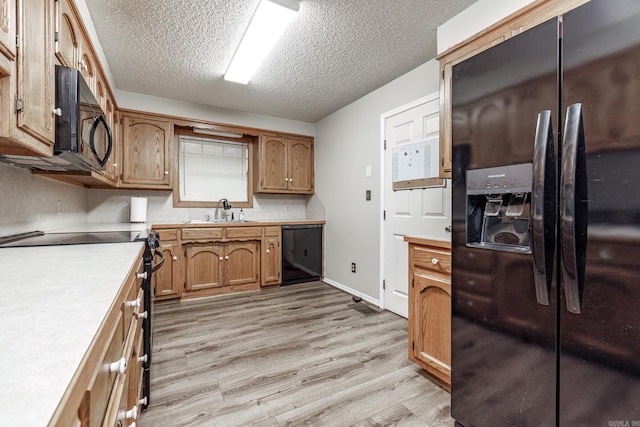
x=543, y=200
x=573, y=147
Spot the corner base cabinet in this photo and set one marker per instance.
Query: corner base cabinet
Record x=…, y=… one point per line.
x=430, y=307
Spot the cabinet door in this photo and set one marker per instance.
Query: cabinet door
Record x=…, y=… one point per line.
x=300, y=166
x=431, y=317
x=272, y=261
x=35, y=91
x=145, y=152
x=8, y=29
x=67, y=42
x=273, y=163
x=204, y=267
x=87, y=65
x=242, y=263
x=168, y=279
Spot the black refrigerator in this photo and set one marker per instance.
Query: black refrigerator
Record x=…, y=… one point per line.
x=546, y=225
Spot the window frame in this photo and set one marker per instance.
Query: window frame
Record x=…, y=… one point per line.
x=178, y=203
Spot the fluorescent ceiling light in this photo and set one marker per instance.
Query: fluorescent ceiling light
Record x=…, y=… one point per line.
x=267, y=25
x=213, y=132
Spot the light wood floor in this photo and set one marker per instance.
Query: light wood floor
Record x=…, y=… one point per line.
x=291, y=356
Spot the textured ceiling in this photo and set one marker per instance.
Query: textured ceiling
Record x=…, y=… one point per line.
x=333, y=53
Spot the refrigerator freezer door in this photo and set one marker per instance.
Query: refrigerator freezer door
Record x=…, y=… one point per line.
x=503, y=341
x=600, y=346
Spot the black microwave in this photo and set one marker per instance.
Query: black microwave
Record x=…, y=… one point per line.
x=83, y=136
x=83, y=140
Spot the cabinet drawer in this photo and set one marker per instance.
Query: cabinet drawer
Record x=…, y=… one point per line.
x=102, y=385
x=201, y=234
x=432, y=259
x=167, y=235
x=243, y=232
x=272, y=231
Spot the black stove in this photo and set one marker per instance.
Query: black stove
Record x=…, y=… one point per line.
x=39, y=238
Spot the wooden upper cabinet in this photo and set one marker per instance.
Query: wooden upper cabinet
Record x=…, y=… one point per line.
x=285, y=165
x=300, y=153
x=67, y=43
x=7, y=36
x=35, y=71
x=146, y=151
x=87, y=65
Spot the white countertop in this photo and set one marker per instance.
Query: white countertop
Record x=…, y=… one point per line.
x=53, y=300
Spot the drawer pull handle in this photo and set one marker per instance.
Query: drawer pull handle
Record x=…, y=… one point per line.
x=135, y=303
x=143, y=359
x=128, y=415
x=142, y=315
x=142, y=275
x=435, y=261
x=119, y=366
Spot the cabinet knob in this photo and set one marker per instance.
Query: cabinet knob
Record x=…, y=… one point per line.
x=57, y=111
x=227, y=257
x=435, y=261
x=166, y=172
x=119, y=366
x=267, y=250
x=221, y=258
x=175, y=257
x=143, y=401
x=143, y=359
x=142, y=315
x=128, y=415
x=142, y=275
x=83, y=65
x=135, y=303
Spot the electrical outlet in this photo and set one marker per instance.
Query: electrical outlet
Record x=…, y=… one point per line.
x=353, y=267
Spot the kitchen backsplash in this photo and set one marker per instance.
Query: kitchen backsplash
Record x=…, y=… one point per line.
x=113, y=206
x=29, y=202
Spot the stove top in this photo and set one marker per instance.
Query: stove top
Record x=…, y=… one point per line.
x=39, y=238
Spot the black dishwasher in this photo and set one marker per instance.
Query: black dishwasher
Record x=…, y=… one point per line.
x=301, y=253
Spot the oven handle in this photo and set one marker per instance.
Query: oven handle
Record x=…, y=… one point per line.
x=154, y=267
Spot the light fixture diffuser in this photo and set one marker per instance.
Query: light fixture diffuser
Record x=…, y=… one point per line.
x=213, y=132
x=267, y=25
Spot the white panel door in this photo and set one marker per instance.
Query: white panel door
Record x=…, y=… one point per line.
x=425, y=212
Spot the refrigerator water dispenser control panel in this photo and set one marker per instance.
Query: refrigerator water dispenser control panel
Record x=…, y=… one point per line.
x=499, y=208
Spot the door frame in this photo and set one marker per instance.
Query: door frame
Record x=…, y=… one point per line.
x=383, y=117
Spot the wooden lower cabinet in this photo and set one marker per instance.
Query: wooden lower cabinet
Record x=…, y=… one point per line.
x=222, y=267
x=272, y=256
x=106, y=389
x=430, y=307
x=168, y=281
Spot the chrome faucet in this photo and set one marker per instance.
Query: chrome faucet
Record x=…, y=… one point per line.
x=225, y=205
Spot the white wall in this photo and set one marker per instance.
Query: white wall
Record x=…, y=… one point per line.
x=346, y=143
x=154, y=104
x=29, y=202
x=474, y=19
